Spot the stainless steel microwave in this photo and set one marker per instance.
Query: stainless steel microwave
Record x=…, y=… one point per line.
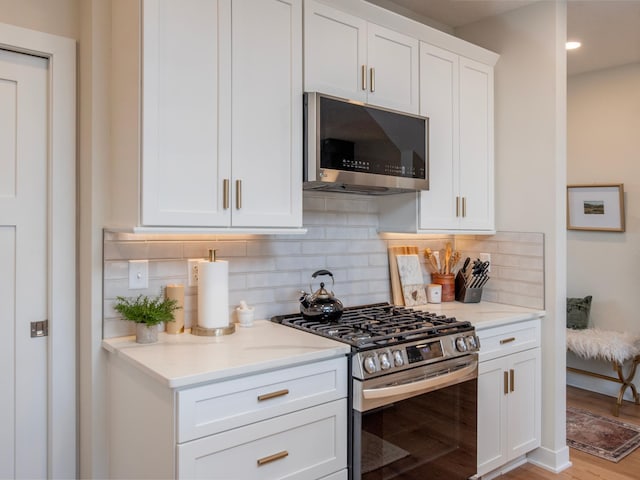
x=358, y=148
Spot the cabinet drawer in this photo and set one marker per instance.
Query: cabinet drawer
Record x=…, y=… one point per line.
x=310, y=443
x=221, y=406
x=507, y=339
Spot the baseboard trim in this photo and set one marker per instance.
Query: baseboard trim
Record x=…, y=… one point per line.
x=553, y=461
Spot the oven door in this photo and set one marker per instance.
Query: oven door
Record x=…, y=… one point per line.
x=419, y=424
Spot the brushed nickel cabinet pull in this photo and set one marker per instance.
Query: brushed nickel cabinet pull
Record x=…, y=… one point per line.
x=464, y=206
x=457, y=206
x=512, y=376
x=372, y=79
x=507, y=340
x=363, y=73
x=272, y=458
x=506, y=383
x=267, y=396
x=238, y=194
x=225, y=193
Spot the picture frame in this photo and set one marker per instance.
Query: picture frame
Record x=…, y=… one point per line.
x=596, y=207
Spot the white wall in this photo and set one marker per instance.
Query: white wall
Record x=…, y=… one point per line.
x=603, y=147
x=59, y=17
x=530, y=112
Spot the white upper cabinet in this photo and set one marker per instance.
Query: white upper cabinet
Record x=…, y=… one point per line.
x=222, y=113
x=457, y=96
x=351, y=58
x=266, y=124
x=186, y=108
x=476, y=146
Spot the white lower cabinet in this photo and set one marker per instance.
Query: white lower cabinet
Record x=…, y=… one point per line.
x=509, y=396
x=286, y=423
x=309, y=443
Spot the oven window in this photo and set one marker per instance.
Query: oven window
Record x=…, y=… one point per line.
x=431, y=436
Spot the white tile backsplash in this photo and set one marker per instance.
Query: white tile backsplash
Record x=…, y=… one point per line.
x=269, y=271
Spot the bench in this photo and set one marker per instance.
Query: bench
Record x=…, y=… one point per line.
x=615, y=347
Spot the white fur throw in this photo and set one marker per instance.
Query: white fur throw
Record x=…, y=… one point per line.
x=604, y=344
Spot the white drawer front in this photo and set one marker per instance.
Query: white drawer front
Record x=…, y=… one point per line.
x=507, y=339
x=306, y=444
x=218, y=407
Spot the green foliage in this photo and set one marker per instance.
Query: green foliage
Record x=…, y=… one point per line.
x=150, y=311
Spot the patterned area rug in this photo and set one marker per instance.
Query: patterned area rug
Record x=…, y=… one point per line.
x=600, y=436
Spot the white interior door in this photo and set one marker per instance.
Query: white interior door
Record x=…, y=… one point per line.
x=24, y=163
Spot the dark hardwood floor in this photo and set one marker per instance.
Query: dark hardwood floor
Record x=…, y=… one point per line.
x=585, y=466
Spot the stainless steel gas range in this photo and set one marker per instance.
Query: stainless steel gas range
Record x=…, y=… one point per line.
x=413, y=393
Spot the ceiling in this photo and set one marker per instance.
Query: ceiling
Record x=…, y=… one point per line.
x=608, y=29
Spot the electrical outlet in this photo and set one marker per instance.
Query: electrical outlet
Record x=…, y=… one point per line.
x=486, y=257
x=193, y=272
x=138, y=274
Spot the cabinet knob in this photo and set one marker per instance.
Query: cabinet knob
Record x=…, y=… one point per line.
x=457, y=206
x=464, y=206
x=238, y=194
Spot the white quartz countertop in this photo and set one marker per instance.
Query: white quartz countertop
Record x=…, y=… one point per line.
x=484, y=314
x=185, y=359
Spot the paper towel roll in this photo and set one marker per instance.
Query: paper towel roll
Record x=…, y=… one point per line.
x=213, y=294
x=176, y=292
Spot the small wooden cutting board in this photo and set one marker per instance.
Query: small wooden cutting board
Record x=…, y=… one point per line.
x=397, y=297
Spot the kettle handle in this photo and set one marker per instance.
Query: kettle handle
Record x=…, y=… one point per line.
x=322, y=272
x=319, y=273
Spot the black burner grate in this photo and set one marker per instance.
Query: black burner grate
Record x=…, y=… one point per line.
x=380, y=324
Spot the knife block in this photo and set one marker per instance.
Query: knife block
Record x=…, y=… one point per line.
x=464, y=294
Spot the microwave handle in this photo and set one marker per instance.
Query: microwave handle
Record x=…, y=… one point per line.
x=467, y=373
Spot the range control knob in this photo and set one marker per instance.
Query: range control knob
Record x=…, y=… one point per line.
x=461, y=345
x=397, y=358
x=369, y=364
x=385, y=362
x=471, y=342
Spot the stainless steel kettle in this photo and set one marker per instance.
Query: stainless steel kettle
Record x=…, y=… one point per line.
x=321, y=305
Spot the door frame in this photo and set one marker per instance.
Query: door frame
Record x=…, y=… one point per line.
x=61, y=179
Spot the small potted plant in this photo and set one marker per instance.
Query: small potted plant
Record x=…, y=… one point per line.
x=147, y=313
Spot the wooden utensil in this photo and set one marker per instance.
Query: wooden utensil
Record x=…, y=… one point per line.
x=431, y=261
x=447, y=259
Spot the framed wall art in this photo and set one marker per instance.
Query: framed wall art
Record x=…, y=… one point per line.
x=595, y=207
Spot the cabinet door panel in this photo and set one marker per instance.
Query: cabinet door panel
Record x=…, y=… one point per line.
x=492, y=426
x=335, y=50
x=476, y=144
x=267, y=113
x=439, y=101
x=394, y=58
x=524, y=403
x=185, y=145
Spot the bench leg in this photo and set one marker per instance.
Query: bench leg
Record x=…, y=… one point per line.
x=627, y=382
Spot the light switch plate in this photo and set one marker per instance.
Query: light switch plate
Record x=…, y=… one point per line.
x=138, y=274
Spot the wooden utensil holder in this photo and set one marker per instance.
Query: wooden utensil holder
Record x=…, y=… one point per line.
x=447, y=281
x=465, y=294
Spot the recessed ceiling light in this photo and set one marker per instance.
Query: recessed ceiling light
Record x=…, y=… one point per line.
x=573, y=45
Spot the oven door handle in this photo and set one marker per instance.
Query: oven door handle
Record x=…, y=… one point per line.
x=465, y=373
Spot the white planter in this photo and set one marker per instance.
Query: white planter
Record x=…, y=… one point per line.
x=145, y=334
